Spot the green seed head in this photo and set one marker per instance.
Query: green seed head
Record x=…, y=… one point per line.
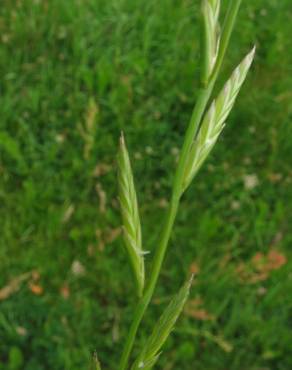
x=210, y=10
x=162, y=329
x=214, y=120
x=130, y=215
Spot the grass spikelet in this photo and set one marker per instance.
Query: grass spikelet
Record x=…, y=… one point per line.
x=162, y=329
x=214, y=121
x=130, y=215
x=210, y=10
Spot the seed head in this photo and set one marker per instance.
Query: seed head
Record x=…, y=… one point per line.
x=130, y=215
x=214, y=120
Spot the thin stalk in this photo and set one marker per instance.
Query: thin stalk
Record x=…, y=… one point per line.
x=200, y=107
x=145, y=300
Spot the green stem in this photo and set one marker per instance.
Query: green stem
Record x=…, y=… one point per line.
x=203, y=98
x=145, y=300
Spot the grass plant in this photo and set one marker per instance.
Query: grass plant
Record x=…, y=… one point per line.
x=199, y=141
x=73, y=75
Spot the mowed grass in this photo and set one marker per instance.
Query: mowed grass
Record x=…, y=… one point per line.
x=73, y=74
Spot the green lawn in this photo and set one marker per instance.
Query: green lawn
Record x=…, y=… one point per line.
x=73, y=74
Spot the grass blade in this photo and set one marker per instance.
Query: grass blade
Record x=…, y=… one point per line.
x=163, y=328
x=214, y=120
x=130, y=215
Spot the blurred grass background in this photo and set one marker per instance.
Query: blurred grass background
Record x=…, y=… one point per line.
x=73, y=74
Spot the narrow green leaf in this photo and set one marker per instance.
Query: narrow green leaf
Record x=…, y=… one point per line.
x=163, y=328
x=130, y=215
x=214, y=120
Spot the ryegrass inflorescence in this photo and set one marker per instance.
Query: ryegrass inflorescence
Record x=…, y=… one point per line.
x=203, y=131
